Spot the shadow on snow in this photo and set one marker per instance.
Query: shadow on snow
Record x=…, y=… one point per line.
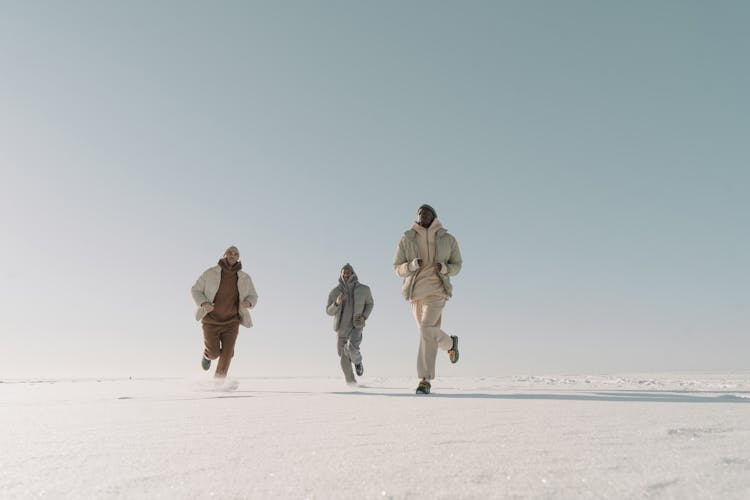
x=631, y=397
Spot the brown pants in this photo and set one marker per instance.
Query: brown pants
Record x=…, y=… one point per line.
x=218, y=341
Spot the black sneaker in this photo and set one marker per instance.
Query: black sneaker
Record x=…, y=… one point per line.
x=205, y=364
x=453, y=351
x=423, y=387
x=360, y=369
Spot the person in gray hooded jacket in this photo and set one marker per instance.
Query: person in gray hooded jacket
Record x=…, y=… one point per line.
x=350, y=304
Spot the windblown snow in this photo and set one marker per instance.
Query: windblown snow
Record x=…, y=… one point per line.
x=647, y=436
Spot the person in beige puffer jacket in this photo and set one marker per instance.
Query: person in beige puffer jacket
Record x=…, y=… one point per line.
x=426, y=257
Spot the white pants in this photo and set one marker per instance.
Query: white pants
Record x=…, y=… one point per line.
x=431, y=337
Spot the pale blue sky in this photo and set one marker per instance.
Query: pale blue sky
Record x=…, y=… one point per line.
x=590, y=157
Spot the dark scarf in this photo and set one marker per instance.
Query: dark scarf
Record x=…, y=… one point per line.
x=348, y=286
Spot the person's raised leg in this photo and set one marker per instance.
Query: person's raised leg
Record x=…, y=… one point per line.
x=432, y=317
x=211, y=345
x=433, y=338
x=352, y=346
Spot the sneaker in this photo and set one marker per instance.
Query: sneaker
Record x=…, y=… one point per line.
x=360, y=369
x=453, y=351
x=423, y=387
x=205, y=364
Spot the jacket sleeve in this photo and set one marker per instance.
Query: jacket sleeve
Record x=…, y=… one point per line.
x=252, y=295
x=369, y=304
x=400, y=264
x=198, y=290
x=331, y=307
x=454, y=261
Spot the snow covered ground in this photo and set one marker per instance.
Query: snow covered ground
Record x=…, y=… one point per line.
x=647, y=436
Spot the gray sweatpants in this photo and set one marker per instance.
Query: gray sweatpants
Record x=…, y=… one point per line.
x=347, y=346
x=431, y=337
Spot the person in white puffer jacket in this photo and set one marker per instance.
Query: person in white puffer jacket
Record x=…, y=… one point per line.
x=426, y=257
x=224, y=294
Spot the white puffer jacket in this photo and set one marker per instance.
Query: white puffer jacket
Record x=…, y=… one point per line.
x=207, y=285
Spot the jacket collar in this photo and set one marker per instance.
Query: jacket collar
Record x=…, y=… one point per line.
x=412, y=233
x=217, y=269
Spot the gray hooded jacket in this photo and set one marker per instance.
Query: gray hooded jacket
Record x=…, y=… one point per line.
x=359, y=295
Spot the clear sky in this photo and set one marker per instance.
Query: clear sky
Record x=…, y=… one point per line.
x=591, y=158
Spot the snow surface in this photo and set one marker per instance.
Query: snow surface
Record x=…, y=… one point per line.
x=649, y=436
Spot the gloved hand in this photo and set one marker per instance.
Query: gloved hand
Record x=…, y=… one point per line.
x=359, y=320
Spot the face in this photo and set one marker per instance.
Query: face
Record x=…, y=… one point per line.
x=346, y=273
x=425, y=217
x=232, y=255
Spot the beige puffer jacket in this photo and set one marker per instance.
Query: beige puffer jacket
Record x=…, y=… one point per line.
x=446, y=253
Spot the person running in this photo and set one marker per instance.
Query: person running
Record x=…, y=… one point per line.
x=426, y=257
x=350, y=303
x=224, y=294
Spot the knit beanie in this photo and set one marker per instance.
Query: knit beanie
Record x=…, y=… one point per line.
x=427, y=207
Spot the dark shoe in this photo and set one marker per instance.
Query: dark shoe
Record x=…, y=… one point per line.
x=205, y=364
x=423, y=387
x=453, y=351
x=360, y=369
